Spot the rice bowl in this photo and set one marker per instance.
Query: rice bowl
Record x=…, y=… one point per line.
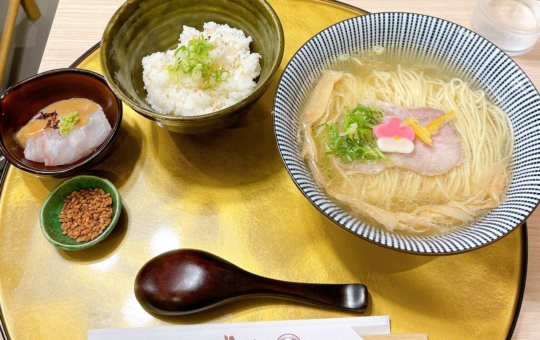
x=142, y=27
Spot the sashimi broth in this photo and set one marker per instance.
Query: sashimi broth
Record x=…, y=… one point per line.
x=63, y=107
x=400, y=199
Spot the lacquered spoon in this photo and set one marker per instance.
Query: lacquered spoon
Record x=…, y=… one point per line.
x=186, y=281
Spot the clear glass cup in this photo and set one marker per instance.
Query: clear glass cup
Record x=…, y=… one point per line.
x=512, y=25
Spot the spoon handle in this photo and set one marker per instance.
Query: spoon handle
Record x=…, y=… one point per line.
x=348, y=297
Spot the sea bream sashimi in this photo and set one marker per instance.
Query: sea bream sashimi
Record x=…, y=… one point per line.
x=64, y=132
x=54, y=149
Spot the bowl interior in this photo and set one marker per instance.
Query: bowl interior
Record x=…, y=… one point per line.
x=24, y=100
x=456, y=49
x=143, y=27
x=50, y=211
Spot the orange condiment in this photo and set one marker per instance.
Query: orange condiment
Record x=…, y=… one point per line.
x=63, y=107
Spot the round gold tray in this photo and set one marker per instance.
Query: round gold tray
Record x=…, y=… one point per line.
x=228, y=193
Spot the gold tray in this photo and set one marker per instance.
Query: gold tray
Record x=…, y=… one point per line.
x=229, y=194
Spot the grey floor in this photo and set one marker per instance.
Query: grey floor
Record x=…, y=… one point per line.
x=27, y=45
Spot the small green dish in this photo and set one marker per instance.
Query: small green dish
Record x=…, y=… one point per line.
x=50, y=211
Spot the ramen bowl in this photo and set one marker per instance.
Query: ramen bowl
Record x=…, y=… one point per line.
x=24, y=100
x=143, y=27
x=428, y=39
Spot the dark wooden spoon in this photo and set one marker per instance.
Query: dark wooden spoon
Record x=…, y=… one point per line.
x=186, y=281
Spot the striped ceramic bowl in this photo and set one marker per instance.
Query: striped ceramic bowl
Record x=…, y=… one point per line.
x=430, y=39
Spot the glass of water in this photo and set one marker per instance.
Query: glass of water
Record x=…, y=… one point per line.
x=512, y=25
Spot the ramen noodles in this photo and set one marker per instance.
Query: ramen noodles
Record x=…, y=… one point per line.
x=404, y=146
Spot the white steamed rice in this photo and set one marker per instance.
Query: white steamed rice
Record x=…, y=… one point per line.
x=185, y=96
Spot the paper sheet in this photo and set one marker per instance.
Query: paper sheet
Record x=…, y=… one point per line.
x=312, y=329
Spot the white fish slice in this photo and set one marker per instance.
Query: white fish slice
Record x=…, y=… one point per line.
x=54, y=149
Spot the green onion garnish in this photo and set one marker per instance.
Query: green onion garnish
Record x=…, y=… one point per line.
x=194, y=59
x=355, y=140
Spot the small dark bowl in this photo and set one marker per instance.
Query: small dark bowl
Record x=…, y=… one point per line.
x=143, y=27
x=19, y=103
